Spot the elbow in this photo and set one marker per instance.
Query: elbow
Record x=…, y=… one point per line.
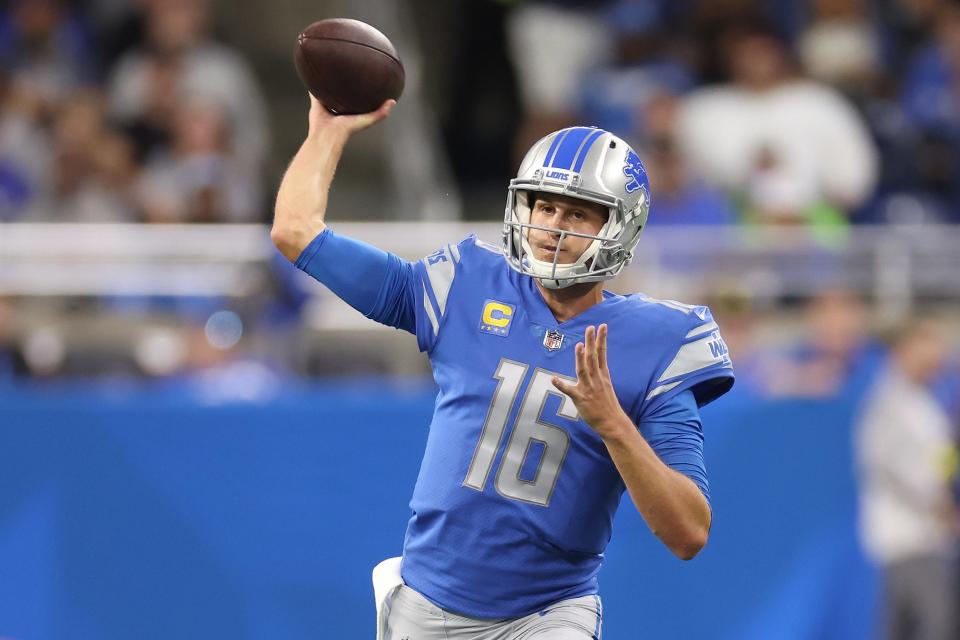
x=285, y=241
x=291, y=238
x=278, y=235
x=688, y=545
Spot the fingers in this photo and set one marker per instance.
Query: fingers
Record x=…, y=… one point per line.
x=588, y=365
x=566, y=388
x=321, y=116
x=364, y=120
x=579, y=360
x=602, y=347
x=590, y=357
x=593, y=361
x=583, y=369
x=384, y=108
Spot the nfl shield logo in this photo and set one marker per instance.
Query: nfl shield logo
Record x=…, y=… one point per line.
x=552, y=339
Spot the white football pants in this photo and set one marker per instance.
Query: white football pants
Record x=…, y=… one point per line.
x=405, y=614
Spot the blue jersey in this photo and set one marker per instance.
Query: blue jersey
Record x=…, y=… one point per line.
x=516, y=495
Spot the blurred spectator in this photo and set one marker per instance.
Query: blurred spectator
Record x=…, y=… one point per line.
x=841, y=45
x=198, y=180
x=708, y=25
x=851, y=45
x=26, y=153
x=790, y=146
x=679, y=197
x=649, y=60
x=906, y=26
x=179, y=62
x=932, y=109
x=549, y=76
x=93, y=167
x=930, y=85
x=76, y=131
x=836, y=350
x=151, y=127
x=908, y=520
x=108, y=195
x=47, y=46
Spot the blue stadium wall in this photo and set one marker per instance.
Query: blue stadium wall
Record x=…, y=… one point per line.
x=162, y=513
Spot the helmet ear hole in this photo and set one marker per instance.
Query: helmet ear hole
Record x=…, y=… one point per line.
x=532, y=197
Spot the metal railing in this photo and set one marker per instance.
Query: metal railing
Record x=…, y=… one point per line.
x=893, y=266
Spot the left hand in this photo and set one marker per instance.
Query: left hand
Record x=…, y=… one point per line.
x=593, y=392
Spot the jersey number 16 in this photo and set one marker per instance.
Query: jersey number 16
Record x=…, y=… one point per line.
x=529, y=429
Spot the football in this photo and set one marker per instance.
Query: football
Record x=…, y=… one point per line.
x=348, y=65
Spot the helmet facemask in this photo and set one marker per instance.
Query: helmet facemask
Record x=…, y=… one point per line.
x=601, y=260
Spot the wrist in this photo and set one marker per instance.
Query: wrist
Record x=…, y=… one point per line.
x=330, y=136
x=615, y=428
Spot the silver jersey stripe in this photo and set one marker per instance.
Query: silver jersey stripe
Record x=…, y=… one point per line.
x=429, y=309
x=712, y=326
x=492, y=248
x=441, y=278
x=455, y=252
x=691, y=357
x=662, y=389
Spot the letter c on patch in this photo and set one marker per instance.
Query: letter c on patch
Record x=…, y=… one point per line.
x=497, y=314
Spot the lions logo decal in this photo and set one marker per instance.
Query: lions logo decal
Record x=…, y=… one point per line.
x=633, y=170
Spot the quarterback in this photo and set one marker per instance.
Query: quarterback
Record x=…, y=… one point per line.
x=555, y=396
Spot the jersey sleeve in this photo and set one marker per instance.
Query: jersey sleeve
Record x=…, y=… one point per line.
x=376, y=283
x=436, y=274
x=699, y=361
x=674, y=431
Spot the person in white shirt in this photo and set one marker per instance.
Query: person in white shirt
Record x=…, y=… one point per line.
x=908, y=522
x=785, y=143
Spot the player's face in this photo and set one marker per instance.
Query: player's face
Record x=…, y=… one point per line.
x=563, y=214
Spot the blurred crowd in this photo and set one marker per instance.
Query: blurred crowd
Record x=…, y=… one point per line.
x=815, y=113
x=818, y=113
x=126, y=112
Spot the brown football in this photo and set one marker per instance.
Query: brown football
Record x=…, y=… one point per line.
x=348, y=65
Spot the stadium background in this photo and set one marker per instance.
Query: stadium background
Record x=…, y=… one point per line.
x=197, y=441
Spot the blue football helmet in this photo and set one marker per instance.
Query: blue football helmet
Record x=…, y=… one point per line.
x=593, y=165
